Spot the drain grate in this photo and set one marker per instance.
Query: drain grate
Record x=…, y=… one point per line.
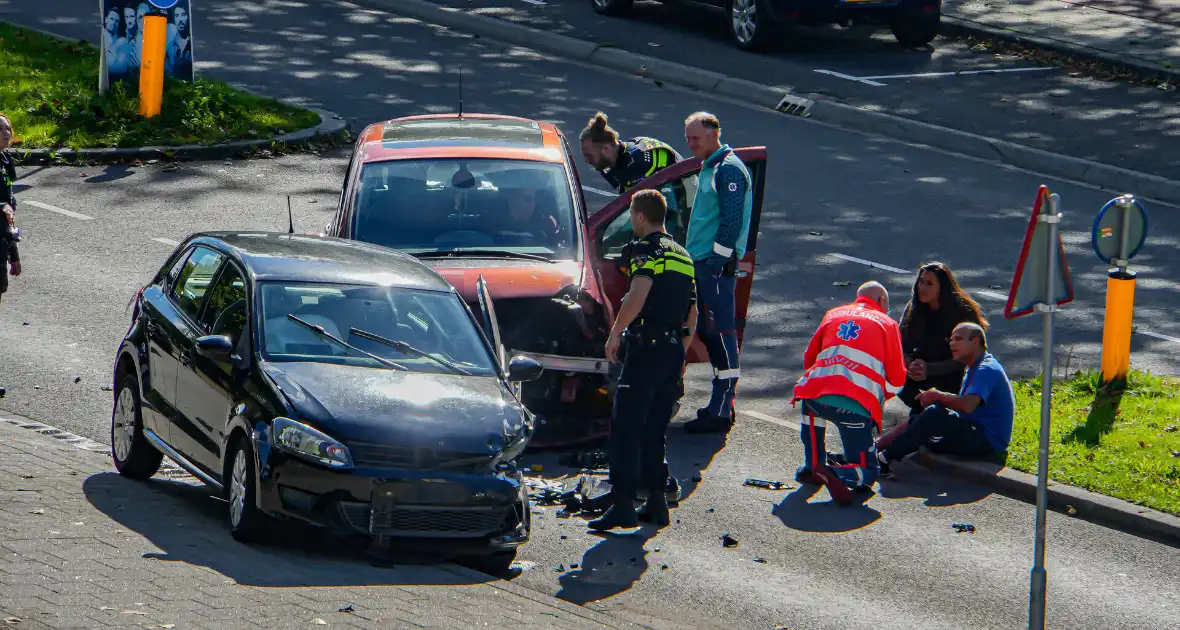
x=795, y=105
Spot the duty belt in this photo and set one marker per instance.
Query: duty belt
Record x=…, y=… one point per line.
x=650, y=336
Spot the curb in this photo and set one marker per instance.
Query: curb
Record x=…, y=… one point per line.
x=1096, y=508
x=330, y=125
x=958, y=25
x=1115, y=179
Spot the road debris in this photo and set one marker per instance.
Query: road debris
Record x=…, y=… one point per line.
x=586, y=460
x=12, y=621
x=319, y=622
x=1071, y=510
x=769, y=485
x=77, y=379
x=728, y=541
x=760, y=560
x=963, y=527
x=841, y=283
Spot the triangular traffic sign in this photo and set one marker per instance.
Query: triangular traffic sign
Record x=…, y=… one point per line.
x=1029, y=283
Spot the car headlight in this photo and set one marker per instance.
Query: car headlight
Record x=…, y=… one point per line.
x=304, y=441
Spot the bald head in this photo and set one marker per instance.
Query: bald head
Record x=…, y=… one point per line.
x=876, y=292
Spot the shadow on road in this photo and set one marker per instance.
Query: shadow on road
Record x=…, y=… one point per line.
x=799, y=513
x=608, y=568
x=189, y=525
x=937, y=489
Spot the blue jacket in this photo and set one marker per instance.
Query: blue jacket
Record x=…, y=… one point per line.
x=720, y=222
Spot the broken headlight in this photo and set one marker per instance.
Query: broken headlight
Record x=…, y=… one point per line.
x=299, y=439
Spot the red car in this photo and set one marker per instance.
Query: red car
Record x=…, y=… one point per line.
x=500, y=197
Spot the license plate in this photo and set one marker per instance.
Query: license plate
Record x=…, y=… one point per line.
x=419, y=493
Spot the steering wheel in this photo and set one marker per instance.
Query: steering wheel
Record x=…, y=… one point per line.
x=464, y=237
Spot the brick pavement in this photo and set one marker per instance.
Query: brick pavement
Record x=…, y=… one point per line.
x=82, y=547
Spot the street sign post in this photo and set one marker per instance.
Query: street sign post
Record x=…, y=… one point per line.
x=1041, y=284
x=1119, y=231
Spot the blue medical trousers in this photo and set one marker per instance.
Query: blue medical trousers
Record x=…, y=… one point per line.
x=648, y=389
x=856, y=433
x=717, y=325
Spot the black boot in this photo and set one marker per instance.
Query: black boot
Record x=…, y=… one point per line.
x=655, y=510
x=620, y=514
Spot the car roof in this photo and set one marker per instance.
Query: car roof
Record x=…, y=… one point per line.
x=313, y=258
x=470, y=135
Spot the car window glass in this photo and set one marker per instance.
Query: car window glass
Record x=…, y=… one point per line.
x=226, y=312
x=434, y=322
x=680, y=194
x=433, y=205
x=194, y=279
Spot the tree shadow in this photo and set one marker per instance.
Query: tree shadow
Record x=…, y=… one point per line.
x=188, y=523
x=111, y=173
x=827, y=517
x=1099, y=421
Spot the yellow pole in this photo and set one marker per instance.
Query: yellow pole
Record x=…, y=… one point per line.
x=1116, y=332
x=151, y=67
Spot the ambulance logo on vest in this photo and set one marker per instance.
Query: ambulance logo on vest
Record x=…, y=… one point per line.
x=732, y=186
x=848, y=330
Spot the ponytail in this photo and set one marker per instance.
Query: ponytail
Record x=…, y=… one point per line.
x=598, y=131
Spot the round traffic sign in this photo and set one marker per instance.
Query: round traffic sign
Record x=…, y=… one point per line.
x=163, y=4
x=1107, y=234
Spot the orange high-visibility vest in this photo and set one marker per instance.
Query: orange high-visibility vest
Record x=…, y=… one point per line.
x=855, y=352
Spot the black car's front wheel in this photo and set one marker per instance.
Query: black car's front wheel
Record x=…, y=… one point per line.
x=612, y=7
x=134, y=456
x=749, y=27
x=246, y=522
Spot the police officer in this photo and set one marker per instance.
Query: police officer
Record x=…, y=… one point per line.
x=623, y=164
x=717, y=235
x=654, y=327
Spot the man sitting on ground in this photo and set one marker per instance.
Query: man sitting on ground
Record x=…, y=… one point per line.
x=976, y=423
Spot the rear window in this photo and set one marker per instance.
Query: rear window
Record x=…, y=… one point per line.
x=435, y=205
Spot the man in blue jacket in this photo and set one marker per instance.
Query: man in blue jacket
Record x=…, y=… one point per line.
x=717, y=235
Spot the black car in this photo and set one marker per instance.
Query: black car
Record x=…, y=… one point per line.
x=752, y=24
x=331, y=381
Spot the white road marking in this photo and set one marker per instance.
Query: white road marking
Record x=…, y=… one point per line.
x=166, y=241
x=1158, y=336
x=922, y=75
x=45, y=206
x=539, y=3
x=993, y=295
x=599, y=192
x=872, y=264
x=771, y=419
x=849, y=77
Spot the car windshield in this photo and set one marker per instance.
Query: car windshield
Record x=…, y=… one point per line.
x=449, y=205
x=430, y=323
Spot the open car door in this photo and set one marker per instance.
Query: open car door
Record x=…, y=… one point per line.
x=490, y=327
x=610, y=230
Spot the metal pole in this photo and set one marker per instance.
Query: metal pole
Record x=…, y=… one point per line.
x=1038, y=578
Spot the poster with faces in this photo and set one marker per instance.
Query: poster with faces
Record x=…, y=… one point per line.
x=122, y=40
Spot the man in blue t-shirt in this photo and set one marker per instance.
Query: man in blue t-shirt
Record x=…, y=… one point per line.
x=977, y=422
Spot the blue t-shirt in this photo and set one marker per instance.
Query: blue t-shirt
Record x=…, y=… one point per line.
x=988, y=380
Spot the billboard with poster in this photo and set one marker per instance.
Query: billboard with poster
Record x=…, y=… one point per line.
x=122, y=40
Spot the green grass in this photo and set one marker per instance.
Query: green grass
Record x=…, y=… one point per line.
x=49, y=89
x=1121, y=440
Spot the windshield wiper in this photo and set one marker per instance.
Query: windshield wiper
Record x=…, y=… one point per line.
x=320, y=330
x=404, y=347
x=471, y=251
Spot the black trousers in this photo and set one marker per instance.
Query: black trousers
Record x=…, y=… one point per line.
x=942, y=431
x=649, y=387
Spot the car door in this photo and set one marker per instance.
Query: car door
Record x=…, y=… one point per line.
x=189, y=295
x=610, y=230
x=208, y=389
x=163, y=353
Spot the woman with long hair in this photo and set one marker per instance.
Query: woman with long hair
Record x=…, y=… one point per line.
x=937, y=304
x=9, y=254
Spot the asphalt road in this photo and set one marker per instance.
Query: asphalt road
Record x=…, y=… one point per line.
x=895, y=563
x=1062, y=111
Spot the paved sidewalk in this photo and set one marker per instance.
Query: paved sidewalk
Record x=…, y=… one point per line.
x=1142, y=33
x=82, y=547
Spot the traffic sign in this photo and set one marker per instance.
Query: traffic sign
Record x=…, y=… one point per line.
x=163, y=4
x=1030, y=285
x=1119, y=235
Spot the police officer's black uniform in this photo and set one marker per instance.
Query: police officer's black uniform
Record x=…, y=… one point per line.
x=649, y=385
x=636, y=160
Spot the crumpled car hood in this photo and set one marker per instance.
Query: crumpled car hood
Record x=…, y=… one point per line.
x=461, y=415
x=509, y=278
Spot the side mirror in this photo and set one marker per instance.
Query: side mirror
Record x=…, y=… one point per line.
x=522, y=368
x=215, y=347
